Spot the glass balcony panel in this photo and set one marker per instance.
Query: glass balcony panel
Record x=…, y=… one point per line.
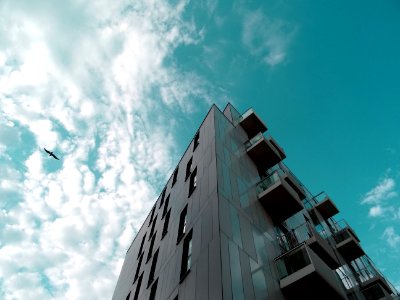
x=279, y=199
x=347, y=241
x=303, y=275
x=264, y=151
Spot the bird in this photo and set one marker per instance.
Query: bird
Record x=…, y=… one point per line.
x=51, y=153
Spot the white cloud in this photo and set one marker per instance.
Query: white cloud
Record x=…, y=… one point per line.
x=384, y=190
x=267, y=38
x=392, y=238
x=92, y=82
x=376, y=211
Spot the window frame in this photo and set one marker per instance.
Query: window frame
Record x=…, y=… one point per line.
x=196, y=140
x=182, y=224
x=175, y=176
x=192, y=181
x=187, y=253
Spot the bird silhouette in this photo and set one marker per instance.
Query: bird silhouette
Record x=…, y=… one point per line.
x=50, y=153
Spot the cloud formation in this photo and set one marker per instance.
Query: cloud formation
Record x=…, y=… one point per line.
x=267, y=38
x=385, y=189
x=392, y=238
x=94, y=83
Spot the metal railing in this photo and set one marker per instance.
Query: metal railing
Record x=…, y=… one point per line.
x=298, y=235
x=254, y=140
x=292, y=261
x=268, y=181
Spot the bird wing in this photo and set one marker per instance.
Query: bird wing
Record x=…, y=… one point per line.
x=47, y=151
x=54, y=156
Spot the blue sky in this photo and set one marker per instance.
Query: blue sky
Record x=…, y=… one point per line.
x=118, y=88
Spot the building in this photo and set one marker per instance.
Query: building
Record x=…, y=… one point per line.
x=233, y=222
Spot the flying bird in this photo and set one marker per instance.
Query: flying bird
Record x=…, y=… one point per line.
x=50, y=153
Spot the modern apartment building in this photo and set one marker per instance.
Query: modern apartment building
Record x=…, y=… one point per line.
x=233, y=222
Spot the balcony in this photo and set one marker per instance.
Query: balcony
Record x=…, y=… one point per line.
x=277, y=195
x=303, y=275
x=264, y=151
x=251, y=123
x=306, y=233
x=322, y=206
x=367, y=279
x=347, y=242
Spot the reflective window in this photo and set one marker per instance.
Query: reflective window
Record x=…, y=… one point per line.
x=196, y=141
x=175, y=176
x=186, y=255
x=182, y=223
x=193, y=181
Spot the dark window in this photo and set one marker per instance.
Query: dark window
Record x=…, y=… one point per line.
x=176, y=297
x=127, y=297
x=166, y=221
x=153, y=268
x=189, y=168
x=162, y=198
x=138, y=268
x=165, y=207
x=152, y=214
x=141, y=245
x=175, y=176
x=186, y=255
x=153, y=290
x=196, y=140
x=152, y=227
x=139, y=283
x=151, y=247
x=193, y=181
x=182, y=224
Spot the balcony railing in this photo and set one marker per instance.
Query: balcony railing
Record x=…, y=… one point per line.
x=303, y=275
x=278, y=193
x=317, y=240
x=264, y=151
x=347, y=242
x=321, y=207
x=365, y=276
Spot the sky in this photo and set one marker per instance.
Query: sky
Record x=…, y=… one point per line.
x=117, y=89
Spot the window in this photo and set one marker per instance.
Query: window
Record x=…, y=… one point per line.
x=127, y=297
x=152, y=214
x=141, y=245
x=152, y=227
x=138, y=268
x=182, y=224
x=166, y=221
x=153, y=290
x=153, y=268
x=193, y=181
x=186, y=255
x=196, y=140
x=165, y=207
x=162, y=198
x=188, y=168
x=175, y=176
x=151, y=247
x=139, y=283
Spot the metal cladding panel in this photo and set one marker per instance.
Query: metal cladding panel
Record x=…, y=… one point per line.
x=202, y=276
x=214, y=270
x=246, y=275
